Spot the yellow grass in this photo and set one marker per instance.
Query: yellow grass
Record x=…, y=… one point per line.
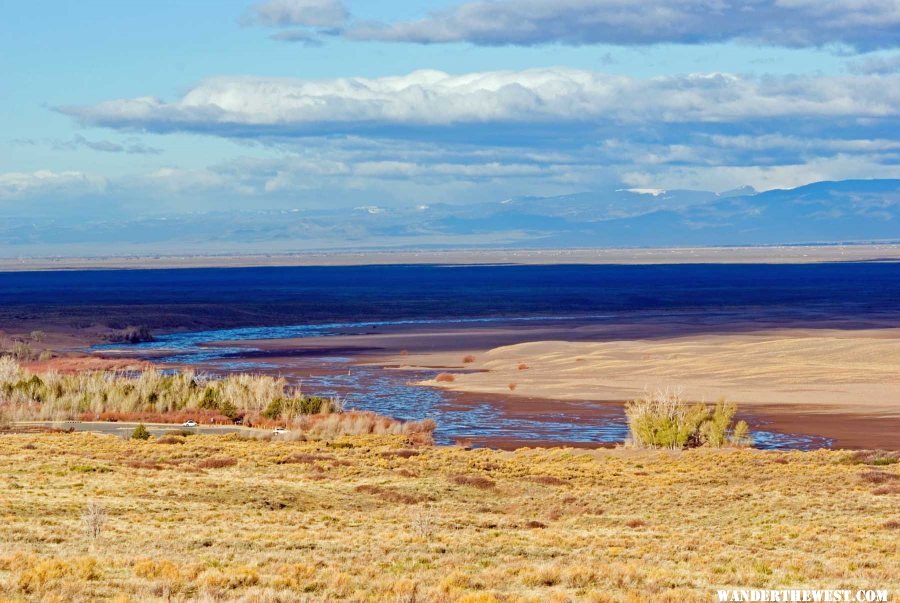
x=371, y=519
x=27, y=395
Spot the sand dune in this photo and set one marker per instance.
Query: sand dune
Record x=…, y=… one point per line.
x=844, y=371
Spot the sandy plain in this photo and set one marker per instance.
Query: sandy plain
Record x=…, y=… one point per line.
x=785, y=254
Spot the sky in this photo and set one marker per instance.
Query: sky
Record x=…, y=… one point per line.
x=139, y=108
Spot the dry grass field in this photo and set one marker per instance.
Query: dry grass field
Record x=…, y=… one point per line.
x=89, y=517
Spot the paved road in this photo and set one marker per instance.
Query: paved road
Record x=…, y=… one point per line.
x=124, y=430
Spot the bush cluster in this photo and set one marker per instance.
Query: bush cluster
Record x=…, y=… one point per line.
x=54, y=396
x=665, y=420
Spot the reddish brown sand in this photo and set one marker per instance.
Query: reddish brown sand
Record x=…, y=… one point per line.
x=842, y=382
x=76, y=362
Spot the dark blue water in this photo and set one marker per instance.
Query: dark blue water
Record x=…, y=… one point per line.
x=241, y=297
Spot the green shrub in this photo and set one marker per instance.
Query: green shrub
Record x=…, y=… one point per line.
x=274, y=409
x=210, y=398
x=140, y=433
x=664, y=420
x=227, y=408
x=288, y=408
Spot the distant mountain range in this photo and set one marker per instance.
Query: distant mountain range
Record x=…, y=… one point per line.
x=823, y=212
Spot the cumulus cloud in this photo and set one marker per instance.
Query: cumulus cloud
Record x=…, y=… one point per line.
x=287, y=13
x=433, y=100
x=19, y=185
x=858, y=24
x=430, y=136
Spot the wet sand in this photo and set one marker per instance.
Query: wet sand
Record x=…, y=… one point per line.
x=840, y=382
x=844, y=385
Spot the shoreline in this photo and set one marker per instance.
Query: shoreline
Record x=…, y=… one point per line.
x=773, y=254
x=852, y=414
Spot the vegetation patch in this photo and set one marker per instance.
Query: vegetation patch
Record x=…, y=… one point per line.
x=152, y=396
x=403, y=454
x=216, y=463
x=473, y=481
x=877, y=458
x=392, y=495
x=548, y=480
x=878, y=477
x=664, y=420
x=305, y=458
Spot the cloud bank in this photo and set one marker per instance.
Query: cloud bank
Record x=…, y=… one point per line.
x=430, y=135
x=862, y=25
x=236, y=106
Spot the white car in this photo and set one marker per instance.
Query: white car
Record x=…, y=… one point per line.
x=189, y=423
x=279, y=430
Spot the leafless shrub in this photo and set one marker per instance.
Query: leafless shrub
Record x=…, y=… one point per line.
x=468, y=359
x=93, y=518
x=445, y=378
x=421, y=521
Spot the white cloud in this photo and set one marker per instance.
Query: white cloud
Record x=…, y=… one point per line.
x=252, y=106
x=859, y=24
x=19, y=185
x=284, y=13
x=724, y=177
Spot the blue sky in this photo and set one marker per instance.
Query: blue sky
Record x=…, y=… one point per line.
x=460, y=101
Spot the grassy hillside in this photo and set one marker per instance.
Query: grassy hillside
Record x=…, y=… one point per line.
x=220, y=518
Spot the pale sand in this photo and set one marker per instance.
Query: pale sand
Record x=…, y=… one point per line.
x=840, y=371
x=680, y=255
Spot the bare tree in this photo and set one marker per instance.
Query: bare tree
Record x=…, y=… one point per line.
x=94, y=519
